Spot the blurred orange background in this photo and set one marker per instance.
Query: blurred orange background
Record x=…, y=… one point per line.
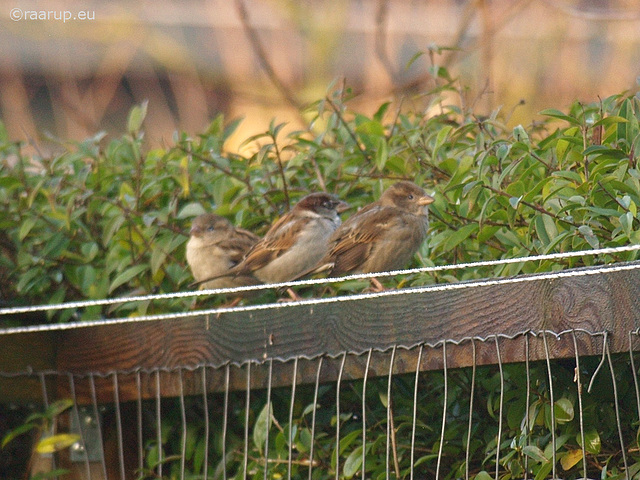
x=68, y=78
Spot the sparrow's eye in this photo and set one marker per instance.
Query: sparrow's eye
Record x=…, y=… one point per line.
x=410, y=196
x=210, y=228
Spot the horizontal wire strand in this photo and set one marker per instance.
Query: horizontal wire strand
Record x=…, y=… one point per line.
x=328, y=300
x=308, y=282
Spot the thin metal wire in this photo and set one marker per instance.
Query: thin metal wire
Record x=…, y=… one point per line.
x=96, y=415
x=431, y=269
x=159, y=423
x=76, y=416
x=338, y=386
x=444, y=407
x=414, y=418
x=205, y=412
x=183, y=418
x=116, y=400
x=364, y=414
x=595, y=373
x=45, y=402
x=389, y=410
x=225, y=420
x=247, y=411
x=552, y=400
x=578, y=380
x=634, y=372
x=320, y=301
x=294, y=381
x=268, y=424
x=617, y=407
x=471, y=396
x=139, y=421
x=500, y=409
x=313, y=416
x=528, y=403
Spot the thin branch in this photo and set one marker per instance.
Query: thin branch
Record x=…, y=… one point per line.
x=344, y=123
x=252, y=35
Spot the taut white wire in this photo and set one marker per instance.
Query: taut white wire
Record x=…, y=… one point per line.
x=318, y=301
x=220, y=291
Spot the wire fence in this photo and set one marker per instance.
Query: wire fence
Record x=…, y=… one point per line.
x=429, y=400
x=445, y=424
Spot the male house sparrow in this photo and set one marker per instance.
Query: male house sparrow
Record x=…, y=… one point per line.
x=382, y=236
x=214, y=247
x=295, y=242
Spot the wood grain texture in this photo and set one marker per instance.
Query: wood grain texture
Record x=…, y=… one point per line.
x=595, y=303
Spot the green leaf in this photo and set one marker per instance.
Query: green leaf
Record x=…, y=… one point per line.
x=58, y=442
x=17, y=432
x=563, y=410
x=262, y=425
x=382, y=153
x=353, y=463
x=552, y=112
x=136, y=117
x=58, y=407
x=534, y=453
x=191, y=210
x=26, y=227
x=589, y=236
x=592, y=443
x=570, y=459
x=127, y=275
x=483, y=475
x=459, y=236
x=55, y=473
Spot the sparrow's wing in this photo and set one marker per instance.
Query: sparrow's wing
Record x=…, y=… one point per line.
x=353, y=243
x=238, y=244
x=278, y=240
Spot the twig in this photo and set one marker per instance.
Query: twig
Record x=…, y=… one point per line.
x=252, y=35
x=281, y=170
x=394, y=445
x=344, y=123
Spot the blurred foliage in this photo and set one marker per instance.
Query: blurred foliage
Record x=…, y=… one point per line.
x=107, y=217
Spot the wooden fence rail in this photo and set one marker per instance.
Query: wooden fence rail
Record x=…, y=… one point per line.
x=599, y=299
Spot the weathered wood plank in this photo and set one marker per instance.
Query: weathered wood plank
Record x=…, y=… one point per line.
x=608, y=301
x=21, y=353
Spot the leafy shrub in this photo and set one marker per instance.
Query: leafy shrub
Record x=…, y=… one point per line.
x=107, y=218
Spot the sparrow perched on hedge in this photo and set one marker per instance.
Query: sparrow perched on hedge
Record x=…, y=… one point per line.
x=295, y=242
x=214, y=247
x=382, y=236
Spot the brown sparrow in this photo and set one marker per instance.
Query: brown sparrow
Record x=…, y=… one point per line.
x=382, y=236
x=214, y=247
x=295, y=242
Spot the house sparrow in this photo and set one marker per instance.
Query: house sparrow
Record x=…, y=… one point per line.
x=382, y=236
x=295, y=242
x=214, y=247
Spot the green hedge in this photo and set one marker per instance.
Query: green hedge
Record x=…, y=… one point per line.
x=107, y=217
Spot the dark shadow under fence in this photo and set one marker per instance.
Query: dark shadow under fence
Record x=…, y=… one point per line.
x=512, y=378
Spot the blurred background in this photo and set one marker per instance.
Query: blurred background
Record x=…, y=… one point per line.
x=71, y=69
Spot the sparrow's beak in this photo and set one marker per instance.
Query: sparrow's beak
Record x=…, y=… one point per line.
x=342, y=206
x=195, y=231
x=426, y=200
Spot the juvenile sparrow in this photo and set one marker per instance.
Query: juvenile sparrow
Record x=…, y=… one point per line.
x=214, y=247
x=382, y=236
x=295, y=242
